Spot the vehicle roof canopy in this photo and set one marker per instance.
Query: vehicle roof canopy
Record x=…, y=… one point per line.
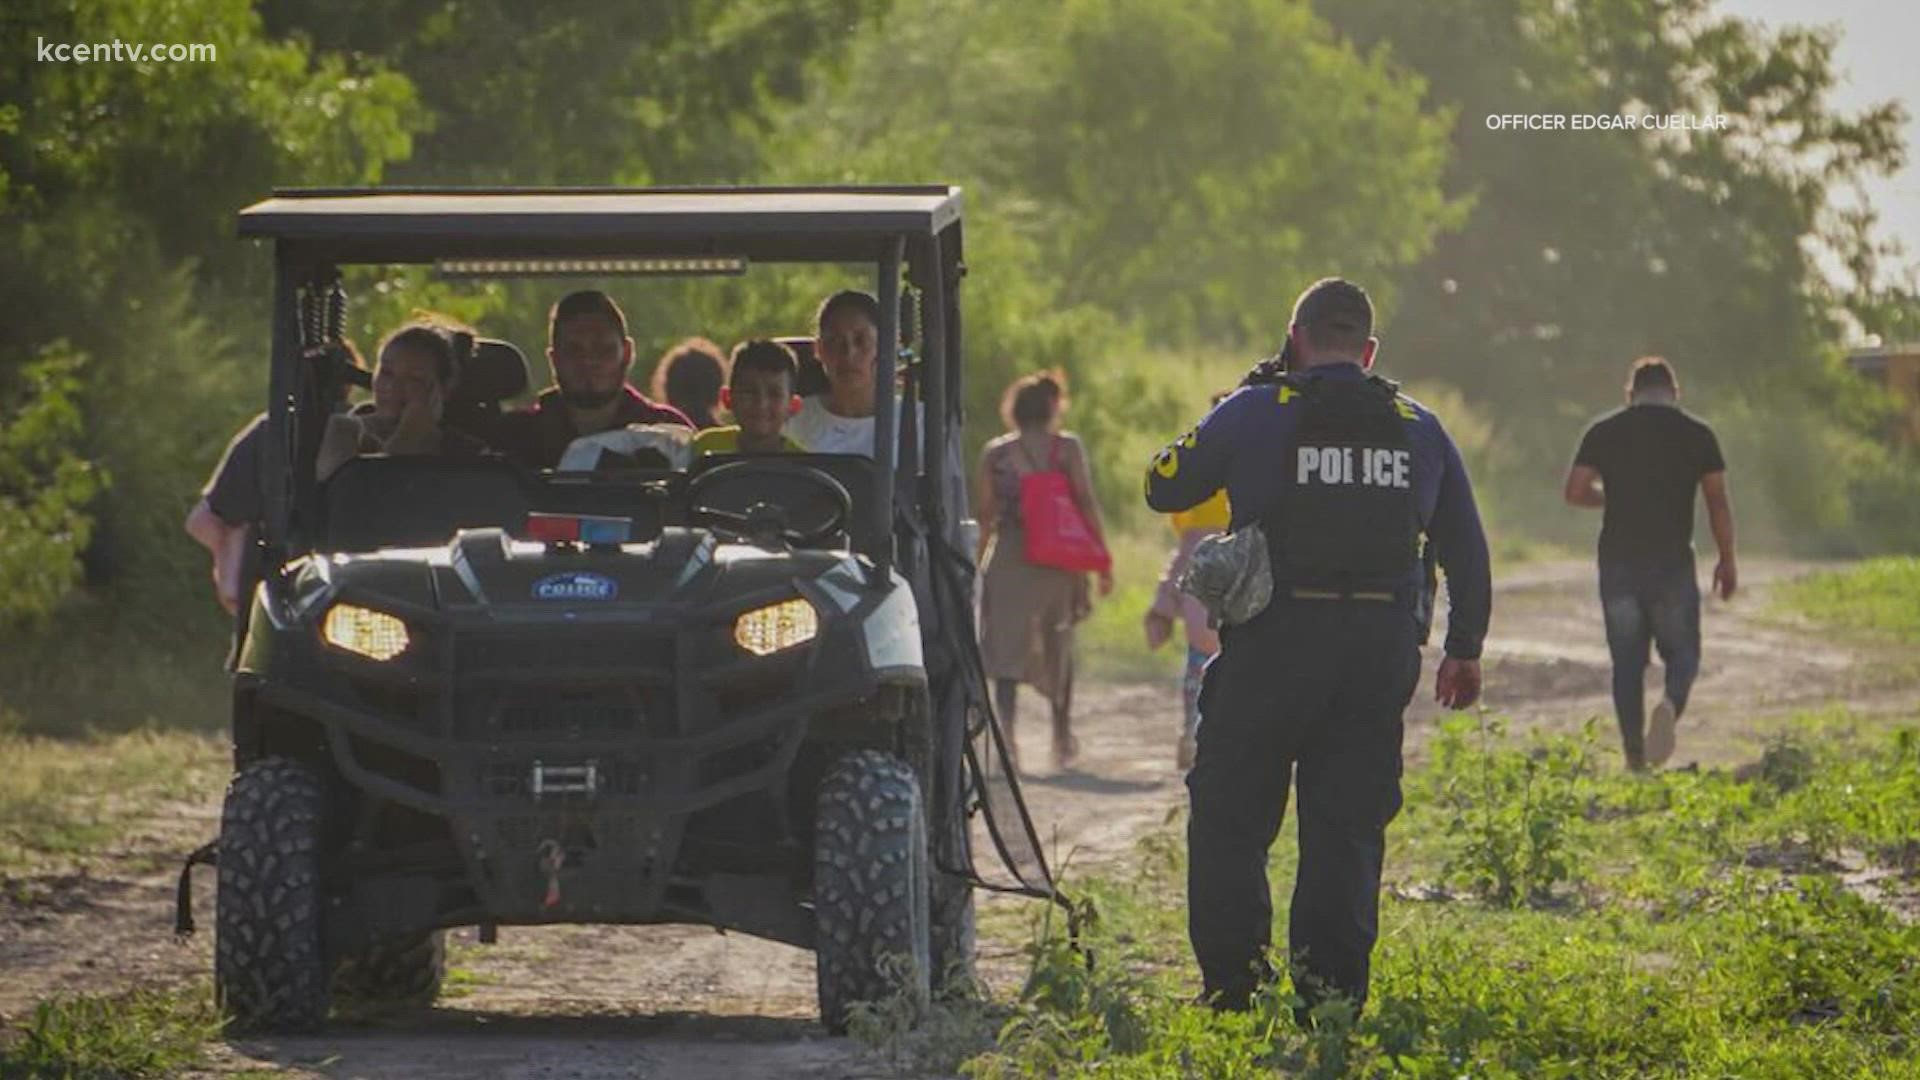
x=790, y=224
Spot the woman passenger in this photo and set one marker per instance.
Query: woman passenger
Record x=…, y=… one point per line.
x=411, y=381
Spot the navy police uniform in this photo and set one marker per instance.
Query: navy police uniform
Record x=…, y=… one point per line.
x=1344, y=475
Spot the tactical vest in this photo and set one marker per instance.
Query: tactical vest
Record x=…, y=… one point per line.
x=1346, y=519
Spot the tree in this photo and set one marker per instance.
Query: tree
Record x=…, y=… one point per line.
x=1586, y=249
x=118, y=184
x=582, y=91
x=45, y=487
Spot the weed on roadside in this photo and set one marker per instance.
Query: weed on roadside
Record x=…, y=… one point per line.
x=1514, y=812
x=122, y=1037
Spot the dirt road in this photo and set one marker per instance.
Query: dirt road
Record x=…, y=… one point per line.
x=587, y=1003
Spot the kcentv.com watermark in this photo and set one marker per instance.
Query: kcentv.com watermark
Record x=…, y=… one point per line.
x=1607, y=122
x=124, y=52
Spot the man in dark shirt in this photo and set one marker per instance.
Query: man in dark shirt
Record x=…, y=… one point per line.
x=591, y=354
x=1641, y=465
x=1342, y=473
x=231, y=506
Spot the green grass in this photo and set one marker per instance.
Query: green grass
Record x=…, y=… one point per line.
x=67, y=798
x=1881, y=596
x=1571, y=920
x=121, y=1037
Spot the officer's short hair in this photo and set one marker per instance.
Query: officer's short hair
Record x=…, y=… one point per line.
x=1334, y=313
x=1652, y=373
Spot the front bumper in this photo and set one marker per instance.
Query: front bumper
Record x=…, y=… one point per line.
x=565, y=758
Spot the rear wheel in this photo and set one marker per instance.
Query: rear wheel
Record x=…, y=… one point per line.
x=401, y=971
x=870, y=886
x=269, y=966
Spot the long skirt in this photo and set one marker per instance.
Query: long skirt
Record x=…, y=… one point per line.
x=1027, y=614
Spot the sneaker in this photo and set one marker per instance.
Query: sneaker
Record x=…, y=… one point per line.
x=1660, y=738
x=1183, y=754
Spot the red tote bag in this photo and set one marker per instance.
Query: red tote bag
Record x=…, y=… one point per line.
x=1058, y=535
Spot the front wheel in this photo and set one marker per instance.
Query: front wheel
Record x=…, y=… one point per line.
x=269, y=964
x=870, y=886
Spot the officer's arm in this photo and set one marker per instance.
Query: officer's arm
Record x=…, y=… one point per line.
x=1461, y=545
x=1187, y=471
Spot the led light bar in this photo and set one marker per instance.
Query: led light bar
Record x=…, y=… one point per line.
x=578, y=529
x=673, y=267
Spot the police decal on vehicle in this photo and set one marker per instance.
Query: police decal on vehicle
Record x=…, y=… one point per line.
x=575, y=585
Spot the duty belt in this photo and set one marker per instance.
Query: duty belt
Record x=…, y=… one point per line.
x=1375, y=596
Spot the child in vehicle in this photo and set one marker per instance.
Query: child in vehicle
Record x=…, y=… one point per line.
x=759, y=394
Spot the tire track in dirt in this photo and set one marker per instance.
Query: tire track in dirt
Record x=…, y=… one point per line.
x=587, y=1002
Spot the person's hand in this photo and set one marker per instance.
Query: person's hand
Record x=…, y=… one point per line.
x=418, y=431
x=227, y=592
x=1159, y=629
x=1457, y=685
x=1106, y=582
x=1726, y=578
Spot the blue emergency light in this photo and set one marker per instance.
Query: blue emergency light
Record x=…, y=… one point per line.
x=578, y=529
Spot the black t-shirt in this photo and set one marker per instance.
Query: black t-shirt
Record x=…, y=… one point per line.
x=234, y=492
x=1651, y=458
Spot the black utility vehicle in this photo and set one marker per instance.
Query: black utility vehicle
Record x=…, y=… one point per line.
x=468, y=693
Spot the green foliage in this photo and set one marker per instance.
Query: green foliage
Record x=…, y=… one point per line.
x=1692, y=956
x=1584, y=250
x=1133, y=149
x=135, y=1036
x=45, y=488
x=1880, y=596
x=1514, y=812
x=576, y=92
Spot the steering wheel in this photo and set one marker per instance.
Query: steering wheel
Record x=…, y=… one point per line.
x=767, y=519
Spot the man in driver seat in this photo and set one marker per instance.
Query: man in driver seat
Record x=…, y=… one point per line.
x=591, y=355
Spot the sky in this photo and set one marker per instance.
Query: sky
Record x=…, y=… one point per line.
x=1879, y=54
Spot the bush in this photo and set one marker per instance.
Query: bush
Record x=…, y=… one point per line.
x=1514, y=814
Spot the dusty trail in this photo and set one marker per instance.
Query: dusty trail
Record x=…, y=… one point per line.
x=597, y=1002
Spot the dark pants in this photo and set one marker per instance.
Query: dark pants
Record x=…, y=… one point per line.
x=1310, y=692
x=1655, y=604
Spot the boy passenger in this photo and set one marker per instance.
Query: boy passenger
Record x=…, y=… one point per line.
x=759, y=393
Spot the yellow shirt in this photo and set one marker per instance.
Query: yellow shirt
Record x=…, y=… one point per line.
x=726, y=440
x=1212, y=514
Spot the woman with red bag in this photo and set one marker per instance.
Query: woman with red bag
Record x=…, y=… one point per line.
x=1040, y=534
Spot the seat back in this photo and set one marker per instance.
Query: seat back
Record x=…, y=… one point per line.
x=813, y=377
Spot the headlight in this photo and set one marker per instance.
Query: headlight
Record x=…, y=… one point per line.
x=777, y=626
x=375, y=635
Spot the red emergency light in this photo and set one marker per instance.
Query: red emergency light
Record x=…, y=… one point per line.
x=578, y=529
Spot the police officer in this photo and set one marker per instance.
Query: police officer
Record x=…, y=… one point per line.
x=1343, y=474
